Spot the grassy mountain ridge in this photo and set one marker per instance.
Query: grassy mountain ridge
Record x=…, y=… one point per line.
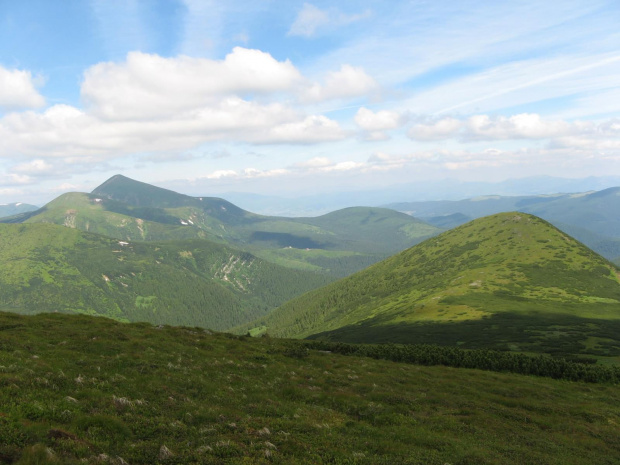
x=591, y=217
x=508, y=281
x=336, y=244
x=88, y=213
x=79, y=389
x=49, y=268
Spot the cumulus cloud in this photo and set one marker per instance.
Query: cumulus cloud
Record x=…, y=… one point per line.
x=377, y=121
x=311, y=18
x=374, y=124
x=578, y=135
x=18, y=90
x=13, y=179
x=149, y=86
x=157, y=107
x=522, y=126
x=34, y=167
x=63, y=131
x=348, y=81
x=315, y=128
x=441, y=129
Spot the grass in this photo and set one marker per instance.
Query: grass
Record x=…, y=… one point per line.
x=79, y=389
x=463, y=286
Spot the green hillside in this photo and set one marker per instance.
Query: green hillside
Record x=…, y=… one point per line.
x=49, y=268
x=85, y=390
x=509, y=281
x=88, y=213
x=336, y=244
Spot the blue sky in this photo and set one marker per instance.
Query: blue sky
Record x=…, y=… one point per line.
x=286, y=97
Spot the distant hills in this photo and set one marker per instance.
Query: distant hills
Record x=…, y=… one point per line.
x=337, y=244
x=15, y=209
x=591, y=217
x=510, y=281
x=316, y=203
x=50, y=268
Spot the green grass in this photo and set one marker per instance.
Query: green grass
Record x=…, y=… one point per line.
x=75, y=387
x=511, y=265
x=197, y=282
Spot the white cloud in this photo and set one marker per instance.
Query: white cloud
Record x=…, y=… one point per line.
x=522, y=126
x=34, y=167
x=315, y=128
x=17, y=90
x=317, y=162
x=441, y=129
x=148, y=86
x=10, y=191
x=308, y=20
x=13, y=179
x=311, y=18
x=377, y=121
x=65, y=187
x=63, y=131
x=375, y=124
x=577, y=135
x=348, y=81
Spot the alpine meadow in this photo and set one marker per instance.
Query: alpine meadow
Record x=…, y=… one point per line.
x=310, y=232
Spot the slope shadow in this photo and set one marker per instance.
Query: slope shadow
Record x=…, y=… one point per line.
x=287, y=240
x=536, y=332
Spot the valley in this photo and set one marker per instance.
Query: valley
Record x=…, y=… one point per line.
x=52, y=268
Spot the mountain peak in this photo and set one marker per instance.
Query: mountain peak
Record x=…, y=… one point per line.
x=124, y=189
x=509, y=280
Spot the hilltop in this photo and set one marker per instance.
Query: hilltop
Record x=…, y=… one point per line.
x=79, y=389
x=50, y=268
x=509, y=281
x=335, y=244
x=592, y=217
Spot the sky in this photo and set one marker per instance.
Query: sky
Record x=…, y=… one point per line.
x=288, y=97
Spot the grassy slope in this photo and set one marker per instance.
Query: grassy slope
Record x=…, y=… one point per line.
x=83, y=387
x=53, y=268
x=338, y=244
x=83, y=212
x=507, y=281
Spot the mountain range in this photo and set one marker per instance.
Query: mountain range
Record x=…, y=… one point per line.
x=336, y=244
x=513, y=281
